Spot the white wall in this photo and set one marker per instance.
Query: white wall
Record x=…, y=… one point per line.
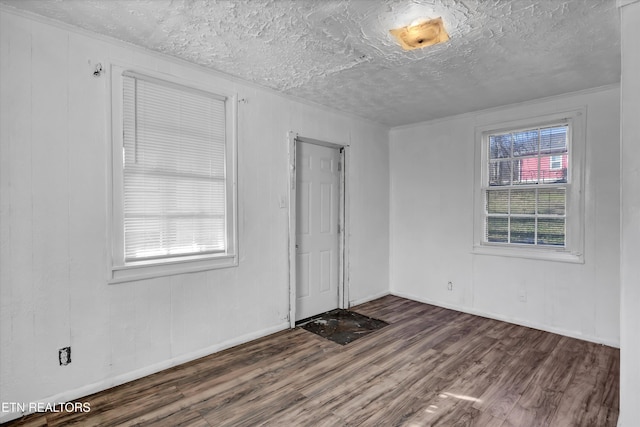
x=54, y=204
x=630, y=232
x=432, y=186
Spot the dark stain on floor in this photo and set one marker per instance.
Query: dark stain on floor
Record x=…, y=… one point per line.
x=341, y=326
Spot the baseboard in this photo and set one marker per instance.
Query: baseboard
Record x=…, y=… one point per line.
x=521, y=322
x=367, y=299
x=87, y=390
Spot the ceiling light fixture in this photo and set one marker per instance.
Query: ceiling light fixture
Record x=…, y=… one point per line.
x=421, y=33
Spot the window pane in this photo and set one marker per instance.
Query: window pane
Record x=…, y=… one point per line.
x=500, y=173
x=551, y=201
x=194, y=235
x=167, y=215
x=551, y=231
x=553, y=140
x=498, y=202
x=523, y=230
x=525, y=171
x=525, y=143
x=497, y=230
x=523, y=202
x=500, y=146
x=549, y=174
x=174, y=171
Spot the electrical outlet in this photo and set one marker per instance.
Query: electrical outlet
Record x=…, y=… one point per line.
x=64, y=356
x=449, y=286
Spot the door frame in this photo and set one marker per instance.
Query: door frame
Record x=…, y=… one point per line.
x=343, y=222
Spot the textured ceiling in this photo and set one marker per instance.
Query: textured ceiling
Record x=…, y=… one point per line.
x=340, y=53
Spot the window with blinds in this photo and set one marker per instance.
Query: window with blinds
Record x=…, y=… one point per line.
x=174, y=176
x=525, y=186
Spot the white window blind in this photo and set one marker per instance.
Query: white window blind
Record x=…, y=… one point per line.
x=526, y=186
x=173, y=170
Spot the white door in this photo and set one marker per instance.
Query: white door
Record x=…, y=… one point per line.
x=317, y=234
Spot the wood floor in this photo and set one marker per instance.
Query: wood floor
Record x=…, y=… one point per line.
x=429, y=367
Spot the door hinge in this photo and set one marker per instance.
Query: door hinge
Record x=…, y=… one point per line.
x=339, y=166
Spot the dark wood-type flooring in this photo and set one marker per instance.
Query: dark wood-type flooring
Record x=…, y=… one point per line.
x=429, y=367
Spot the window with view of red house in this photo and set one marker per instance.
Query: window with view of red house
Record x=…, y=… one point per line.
x=525, y=196
x=528, y=201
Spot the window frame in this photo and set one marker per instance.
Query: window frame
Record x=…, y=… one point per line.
x=573, y=250
x=126, y=271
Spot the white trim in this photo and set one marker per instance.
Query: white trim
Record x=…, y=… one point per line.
x=343, y=215
x=87, y=390
x=131, y=273
x=346, y=229
x=513, y=320
x=623, y=3
x=291, y=141
x=547, y=254
x=369, y=298
x=343, y=300
x=117, y=270
x=538, y=101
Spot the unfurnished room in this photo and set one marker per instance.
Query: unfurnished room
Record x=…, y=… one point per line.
x=320, y=213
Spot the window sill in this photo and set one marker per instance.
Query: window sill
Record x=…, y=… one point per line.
x=558, y=255
x=131, y=273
